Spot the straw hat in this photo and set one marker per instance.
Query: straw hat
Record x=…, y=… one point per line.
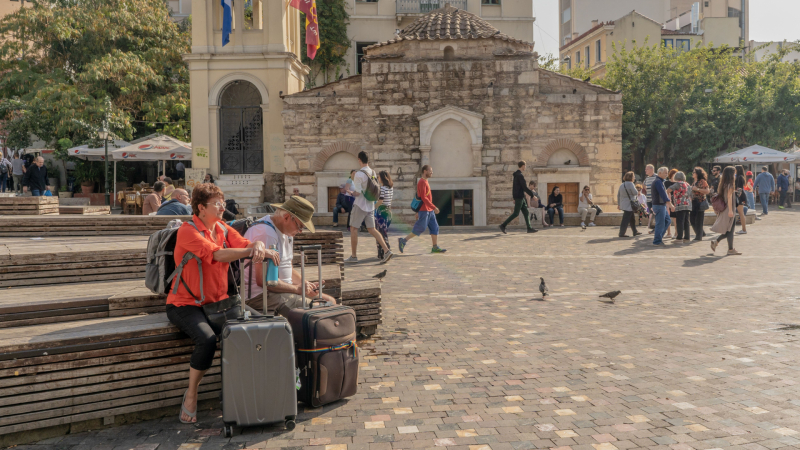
x=300, y=208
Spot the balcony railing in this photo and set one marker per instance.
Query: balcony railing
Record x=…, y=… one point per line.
x=426, y=6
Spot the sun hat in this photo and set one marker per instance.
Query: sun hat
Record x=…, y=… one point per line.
x=300, y=208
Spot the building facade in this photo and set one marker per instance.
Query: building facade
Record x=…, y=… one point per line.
x=592, y=48
x=374, y=21
x=236, y=90
x=452, y=91
x=578, y=16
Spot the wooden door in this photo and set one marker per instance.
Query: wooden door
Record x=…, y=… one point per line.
x=333, y=192
x=569, y=192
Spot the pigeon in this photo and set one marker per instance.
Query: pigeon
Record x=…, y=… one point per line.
x=543, y=288
x=611, y=295
x=380, y=276
x=567, y=162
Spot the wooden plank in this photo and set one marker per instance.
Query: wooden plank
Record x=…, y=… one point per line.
x=81, y=332
x=361, y=301
x=74, y=279
x=95, y=210
x=103, y=413
x=53, y=319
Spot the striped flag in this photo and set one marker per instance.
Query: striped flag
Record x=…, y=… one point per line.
x=227, y=21
x=309, y=8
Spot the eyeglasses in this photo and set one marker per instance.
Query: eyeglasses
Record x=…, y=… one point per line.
x=217, y=204
x=297, y=223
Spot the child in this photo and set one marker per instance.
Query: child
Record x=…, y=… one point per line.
x=642, y=199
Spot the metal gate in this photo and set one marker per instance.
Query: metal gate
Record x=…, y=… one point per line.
x=241, y=130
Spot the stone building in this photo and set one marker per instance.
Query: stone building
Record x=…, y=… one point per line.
x=452, y=91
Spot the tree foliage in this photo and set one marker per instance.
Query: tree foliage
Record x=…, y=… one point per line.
x=684, y=108
x=551, y=63
x=334, y=42
x=68, y=64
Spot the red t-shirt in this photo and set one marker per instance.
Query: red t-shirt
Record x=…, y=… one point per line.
x=215, y=273
x=424, y=194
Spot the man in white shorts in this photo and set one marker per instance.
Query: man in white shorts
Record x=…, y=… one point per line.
x=364, y=210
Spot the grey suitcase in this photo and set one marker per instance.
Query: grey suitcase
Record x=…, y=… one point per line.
x=258, y=371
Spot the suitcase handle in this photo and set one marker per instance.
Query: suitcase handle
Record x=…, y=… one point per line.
x=303, y=249
x=249, y=266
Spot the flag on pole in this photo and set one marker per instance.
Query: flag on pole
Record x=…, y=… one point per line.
x=227, y=20
x=309, y=8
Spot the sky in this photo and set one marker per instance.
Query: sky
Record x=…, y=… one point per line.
x=765, y=23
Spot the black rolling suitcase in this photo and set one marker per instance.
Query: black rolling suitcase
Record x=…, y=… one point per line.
x=325, y=340
x=258, y=370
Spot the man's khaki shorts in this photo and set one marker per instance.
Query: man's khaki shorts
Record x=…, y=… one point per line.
x=276, y=302
x=358, y=215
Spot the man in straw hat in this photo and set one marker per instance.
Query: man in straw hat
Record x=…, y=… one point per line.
x=279, y=229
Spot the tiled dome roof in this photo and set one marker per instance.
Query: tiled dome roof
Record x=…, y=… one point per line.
x=449, y=23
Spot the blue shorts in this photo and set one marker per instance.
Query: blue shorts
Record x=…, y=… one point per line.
x=427, y=219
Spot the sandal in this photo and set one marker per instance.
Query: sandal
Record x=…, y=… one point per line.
x=714, y=246
x=191, y=415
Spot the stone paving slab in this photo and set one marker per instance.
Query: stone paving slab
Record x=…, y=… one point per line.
x=699, y=352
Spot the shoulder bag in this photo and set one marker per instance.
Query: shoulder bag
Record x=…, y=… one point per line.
x=635, y=205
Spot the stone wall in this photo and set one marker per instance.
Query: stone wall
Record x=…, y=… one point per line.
x=526, y=113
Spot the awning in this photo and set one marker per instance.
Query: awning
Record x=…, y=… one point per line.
x=156, y=148
x=96, y=154
x=756, y=154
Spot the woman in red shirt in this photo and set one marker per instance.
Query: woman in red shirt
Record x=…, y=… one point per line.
x=205, y=239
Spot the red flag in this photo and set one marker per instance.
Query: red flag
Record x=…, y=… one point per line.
x=309, y=8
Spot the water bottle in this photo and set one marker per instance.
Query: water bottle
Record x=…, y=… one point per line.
x=272, y=270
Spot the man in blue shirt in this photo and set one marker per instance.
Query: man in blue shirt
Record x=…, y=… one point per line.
x=783, y=187
x=178, y=206
x=765, y=184
x=661, y=206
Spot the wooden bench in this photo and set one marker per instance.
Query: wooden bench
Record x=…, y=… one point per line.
x=17, y=206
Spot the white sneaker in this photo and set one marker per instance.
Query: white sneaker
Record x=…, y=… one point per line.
x=583, y=225
x=741, y=232
x=386, y=257
x=591, y=224
x=351, y=259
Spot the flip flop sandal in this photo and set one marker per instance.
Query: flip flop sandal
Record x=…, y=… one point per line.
x=191, y=415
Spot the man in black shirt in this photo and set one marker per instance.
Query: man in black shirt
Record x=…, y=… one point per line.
x=35, y=178
x=713, y=181
x=518, y=191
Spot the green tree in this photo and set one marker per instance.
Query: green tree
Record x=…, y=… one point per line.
x=330, y=59
x=685, y=108
x=68, y=64
x=551, y=63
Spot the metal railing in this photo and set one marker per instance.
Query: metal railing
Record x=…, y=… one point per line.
x=426, y=6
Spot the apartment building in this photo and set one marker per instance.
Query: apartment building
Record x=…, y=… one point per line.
x=374, y=21
x=704, y=23
x=760, y=50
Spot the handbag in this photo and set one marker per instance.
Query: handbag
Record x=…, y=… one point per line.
x=635, y=205
x=416, y=204
x=597, y=208
x=718, y=204
x=704, y=205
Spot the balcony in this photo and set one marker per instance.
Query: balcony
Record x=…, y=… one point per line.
x=426, y=6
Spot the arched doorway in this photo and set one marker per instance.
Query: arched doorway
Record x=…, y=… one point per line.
x=241, y=129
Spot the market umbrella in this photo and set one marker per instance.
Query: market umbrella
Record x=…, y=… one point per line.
x=756, y=154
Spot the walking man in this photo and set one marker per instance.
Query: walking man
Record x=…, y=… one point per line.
x=518, y=191
x=661, y=206
x=35, y=178
x=650, y=176
x=364, y=210
x=765, y=185
x=18, y=165
x=783, y=187
x=426, y=217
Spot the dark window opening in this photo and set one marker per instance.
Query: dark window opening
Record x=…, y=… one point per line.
x=360, y=53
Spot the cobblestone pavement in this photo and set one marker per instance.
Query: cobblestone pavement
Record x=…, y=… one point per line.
x=699, y=351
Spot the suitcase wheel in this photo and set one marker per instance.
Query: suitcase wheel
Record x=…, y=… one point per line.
x=289, y=424
x=228, y=430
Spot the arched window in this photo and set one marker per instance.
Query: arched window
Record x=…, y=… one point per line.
x=449, y=53
x=241, y=129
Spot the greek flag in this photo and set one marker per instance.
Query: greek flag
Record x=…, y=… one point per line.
x=227, y=20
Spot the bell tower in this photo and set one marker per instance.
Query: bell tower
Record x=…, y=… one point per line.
x=235, y=90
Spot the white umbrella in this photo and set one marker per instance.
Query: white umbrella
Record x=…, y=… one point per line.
x=756, y=154
x=99, y=154
x=158, y=148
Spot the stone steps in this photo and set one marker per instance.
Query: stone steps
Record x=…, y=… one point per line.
x=247, y=190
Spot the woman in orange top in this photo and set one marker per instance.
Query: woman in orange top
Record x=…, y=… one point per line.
x=184, y=309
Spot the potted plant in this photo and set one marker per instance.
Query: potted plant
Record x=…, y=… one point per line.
x=87, y=173
x=64, y=192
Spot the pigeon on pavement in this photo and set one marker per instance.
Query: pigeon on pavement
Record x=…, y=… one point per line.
x=611, y=295
x=380, y=276
x=543, y=288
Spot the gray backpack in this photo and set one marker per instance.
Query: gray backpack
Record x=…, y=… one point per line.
x=372, y=190
x=161, y=270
